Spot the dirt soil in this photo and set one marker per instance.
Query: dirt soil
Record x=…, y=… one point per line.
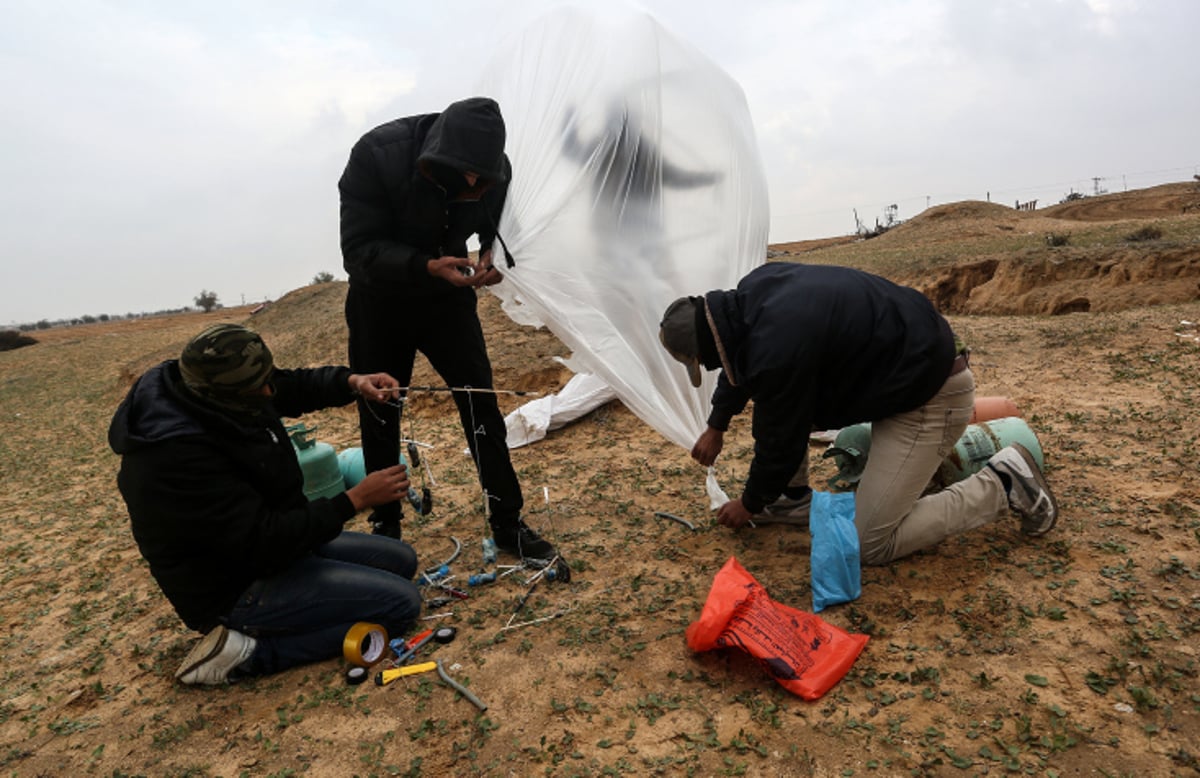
x=1074, y=654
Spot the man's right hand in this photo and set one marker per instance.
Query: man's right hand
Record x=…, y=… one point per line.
x=710, y=443
x=379, y=487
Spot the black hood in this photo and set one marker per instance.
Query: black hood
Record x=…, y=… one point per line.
x=468, y=137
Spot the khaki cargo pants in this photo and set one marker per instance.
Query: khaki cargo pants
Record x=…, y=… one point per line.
x=892, y=518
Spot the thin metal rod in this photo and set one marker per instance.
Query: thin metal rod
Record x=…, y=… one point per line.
x=464, y=389
x=554, y=615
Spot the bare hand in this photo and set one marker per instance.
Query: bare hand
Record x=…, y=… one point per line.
x=377, y=387
x=461, y=271
x=490, y=275
x=733, y=514
x=708, y=446
x=379, y=487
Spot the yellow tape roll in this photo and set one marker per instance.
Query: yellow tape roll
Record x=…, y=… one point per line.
x=364, y=644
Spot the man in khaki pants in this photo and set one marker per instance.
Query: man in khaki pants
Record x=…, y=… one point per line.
x=823, y=347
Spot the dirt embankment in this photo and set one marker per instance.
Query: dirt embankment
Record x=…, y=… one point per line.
x=1106, y=253
x=1066, y=281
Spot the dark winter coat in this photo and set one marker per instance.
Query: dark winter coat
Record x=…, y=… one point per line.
x=394, y=218
x=819, y=347
x=217, y=502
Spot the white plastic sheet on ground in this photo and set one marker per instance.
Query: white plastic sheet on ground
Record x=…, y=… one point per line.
x=582, y=394
x=636, y=180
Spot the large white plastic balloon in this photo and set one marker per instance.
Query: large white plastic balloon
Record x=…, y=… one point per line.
x=636, y=180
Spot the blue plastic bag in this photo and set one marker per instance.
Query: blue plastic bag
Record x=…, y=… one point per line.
x=836, y=571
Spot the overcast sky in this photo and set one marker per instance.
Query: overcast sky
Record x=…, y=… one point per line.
x=152, y=150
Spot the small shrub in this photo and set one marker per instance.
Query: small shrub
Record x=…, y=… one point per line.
x=1058, y=239
x=1149, y=232
x=12, y=339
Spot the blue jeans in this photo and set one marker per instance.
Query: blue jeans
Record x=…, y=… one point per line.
x=302, y=614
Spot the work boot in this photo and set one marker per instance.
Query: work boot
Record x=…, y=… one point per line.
x=1028, y=493
x=519, y=539
x=386, y=526
x=215, y=656
x=792, y=511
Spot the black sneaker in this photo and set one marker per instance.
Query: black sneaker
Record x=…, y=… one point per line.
x=1028, y=493
x=520, y=540
x=389, y=528
x=786, y=510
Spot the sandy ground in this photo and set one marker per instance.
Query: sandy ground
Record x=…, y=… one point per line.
x=1074, y=654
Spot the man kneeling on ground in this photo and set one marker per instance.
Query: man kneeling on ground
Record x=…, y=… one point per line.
x=817, y=346
x=216, y=502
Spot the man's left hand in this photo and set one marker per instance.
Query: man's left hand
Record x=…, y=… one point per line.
x=377, y=387
x=486, y=273
x=733, y=514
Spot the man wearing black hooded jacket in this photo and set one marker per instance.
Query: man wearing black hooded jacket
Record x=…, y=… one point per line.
x=818, y=346
x=217, y=506
x=413, y=192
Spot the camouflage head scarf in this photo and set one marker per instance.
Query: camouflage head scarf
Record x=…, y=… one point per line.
x=227, y=364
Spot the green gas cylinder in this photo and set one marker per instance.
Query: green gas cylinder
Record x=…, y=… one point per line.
x=318, y=462
x=353, y=470
x=980, y=441
x=975, y=447
x=352, y=466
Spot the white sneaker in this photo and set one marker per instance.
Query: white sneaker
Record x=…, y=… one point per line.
x=786, y=510
x=1029, y=494
x=215, y=656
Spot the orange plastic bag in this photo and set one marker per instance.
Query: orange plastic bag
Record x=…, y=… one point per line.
x=801, y=651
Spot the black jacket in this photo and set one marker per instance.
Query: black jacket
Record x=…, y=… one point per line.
x=216, y=503
x=819, y=347
x=394, y=219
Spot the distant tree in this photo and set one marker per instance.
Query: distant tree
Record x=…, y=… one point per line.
x=104, y=317
x=87, y=318
x=44, y=324
x=323, y=277
x=207, y=300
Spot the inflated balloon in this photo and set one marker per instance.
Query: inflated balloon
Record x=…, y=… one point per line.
x=636, y=180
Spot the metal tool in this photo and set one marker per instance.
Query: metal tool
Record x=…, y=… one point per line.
x=440, y=635
x=404, y=649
